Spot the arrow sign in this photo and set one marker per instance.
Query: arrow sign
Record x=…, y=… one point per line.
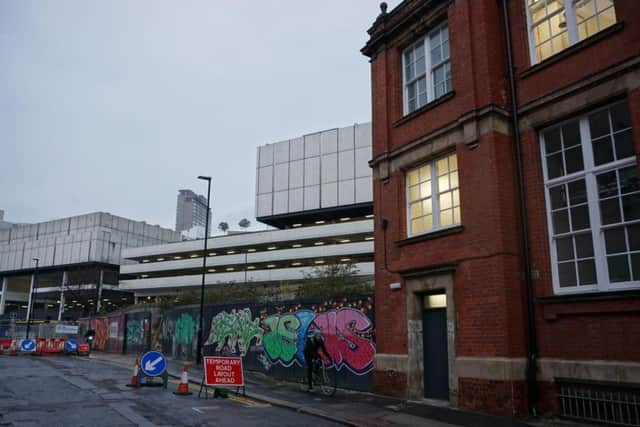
x=151, y=366
x=153, y=363
x=28, y=346
x=71, y=346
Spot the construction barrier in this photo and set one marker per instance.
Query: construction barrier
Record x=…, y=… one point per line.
x=183, y=387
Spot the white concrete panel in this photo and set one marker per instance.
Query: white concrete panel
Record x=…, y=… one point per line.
x=346, y=138
x=296, y=200
x=311, y=145
x=296, y=149
x=312, y=197
x=329, y=168
x=363, y=155
x=363, y=135
x=347, y=192
x=280, y=202
x=281, y=177
x=281, y=152
x=266, y=155
x=364, y=190
x=311, y=171
x=329, y=194
x=265, y=180
x=265, y=207
x=346, y=165
x=329, y=141
x=296, y=174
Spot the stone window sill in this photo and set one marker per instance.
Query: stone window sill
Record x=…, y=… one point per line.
x=572, y=50
x=430, y=236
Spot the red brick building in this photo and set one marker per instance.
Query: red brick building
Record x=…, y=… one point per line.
x=508, y=236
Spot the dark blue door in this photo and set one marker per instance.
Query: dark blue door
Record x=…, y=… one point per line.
x=436, y=365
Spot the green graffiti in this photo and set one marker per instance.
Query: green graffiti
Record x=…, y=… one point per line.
x=280, y=341
x=238, y=327
x=134, y=332
x=184, y=329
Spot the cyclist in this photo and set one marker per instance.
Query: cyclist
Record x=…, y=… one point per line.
x=312, y=347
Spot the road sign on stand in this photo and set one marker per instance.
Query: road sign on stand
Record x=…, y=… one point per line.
x=71, y=346
x=153, y=363
x=223, y=371
x=28, y=346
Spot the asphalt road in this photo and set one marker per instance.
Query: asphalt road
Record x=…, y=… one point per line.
x=70, y=391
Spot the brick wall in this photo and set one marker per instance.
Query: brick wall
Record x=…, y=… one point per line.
x=489, y=290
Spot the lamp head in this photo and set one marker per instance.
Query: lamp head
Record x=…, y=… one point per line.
x=206, y=178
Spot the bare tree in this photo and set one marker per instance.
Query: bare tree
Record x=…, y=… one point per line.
x=244, y=223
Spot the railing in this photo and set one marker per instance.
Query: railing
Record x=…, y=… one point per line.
x=604, y=403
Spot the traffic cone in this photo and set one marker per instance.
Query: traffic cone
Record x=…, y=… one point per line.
x=183, y=387
x=134, y=377
x=14, y=348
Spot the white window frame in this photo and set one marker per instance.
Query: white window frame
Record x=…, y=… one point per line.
x=426, y=45
x=589, y=173
x=572, y=29
x=435, y=199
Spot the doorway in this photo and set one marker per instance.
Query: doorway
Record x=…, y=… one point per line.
x=435, y=353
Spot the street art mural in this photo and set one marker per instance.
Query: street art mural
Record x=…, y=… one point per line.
x=271, y=337
x=346, y=331
x=101, y=326
x=137, y=332
x=235, y=331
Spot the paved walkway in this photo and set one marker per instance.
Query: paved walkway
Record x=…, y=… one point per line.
x=346, y=407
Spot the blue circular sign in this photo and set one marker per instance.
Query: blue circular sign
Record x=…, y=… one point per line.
x=28, y=346
x=153, y=363
x=71, y=346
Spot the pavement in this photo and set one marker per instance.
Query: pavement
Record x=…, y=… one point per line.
x=346, y=407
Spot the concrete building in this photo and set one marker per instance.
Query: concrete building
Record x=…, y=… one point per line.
x=506, y=244
x=191, y=214
x=315, y=188
x=78, y=262
x=319, y=176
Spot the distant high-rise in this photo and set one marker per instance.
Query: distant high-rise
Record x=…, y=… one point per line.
x=191, y=211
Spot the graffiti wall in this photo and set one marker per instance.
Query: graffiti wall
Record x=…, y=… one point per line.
x=109, y=332
x=137, y=332
x=271, y=338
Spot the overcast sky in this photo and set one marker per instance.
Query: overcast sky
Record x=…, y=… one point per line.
x=115, y=105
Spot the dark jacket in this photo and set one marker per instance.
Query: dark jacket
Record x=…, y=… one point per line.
x=311, y=347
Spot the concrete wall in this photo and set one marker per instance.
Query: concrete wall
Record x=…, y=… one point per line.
x=315, y=171
x=96, y=237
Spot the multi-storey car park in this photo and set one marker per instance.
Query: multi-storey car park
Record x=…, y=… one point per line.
x=316, y=189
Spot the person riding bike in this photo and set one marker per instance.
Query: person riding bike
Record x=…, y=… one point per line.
x=312, y=347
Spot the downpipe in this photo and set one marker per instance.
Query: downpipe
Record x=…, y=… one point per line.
x=532, y=357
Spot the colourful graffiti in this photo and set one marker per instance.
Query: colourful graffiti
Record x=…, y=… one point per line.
x=135, y=332
x=184, y=329
x=346, y=329
x=101, y=326
x=235, y=329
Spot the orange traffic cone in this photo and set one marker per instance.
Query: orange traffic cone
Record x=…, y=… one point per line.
x=14, y=348
x=183, y=387
x=134, y=377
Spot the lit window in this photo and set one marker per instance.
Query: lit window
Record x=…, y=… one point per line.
x=427, y=69
x=555, y=25
x=433, y=196
x=593, y=201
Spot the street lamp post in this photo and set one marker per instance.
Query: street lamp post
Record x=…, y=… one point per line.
x=204, y=272
x=32, y=295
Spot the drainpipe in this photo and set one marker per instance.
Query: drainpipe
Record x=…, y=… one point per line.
x=532, y=390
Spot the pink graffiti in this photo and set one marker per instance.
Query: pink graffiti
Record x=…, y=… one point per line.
x=344, y=331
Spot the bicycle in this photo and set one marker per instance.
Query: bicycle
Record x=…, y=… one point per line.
x=322, y=377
